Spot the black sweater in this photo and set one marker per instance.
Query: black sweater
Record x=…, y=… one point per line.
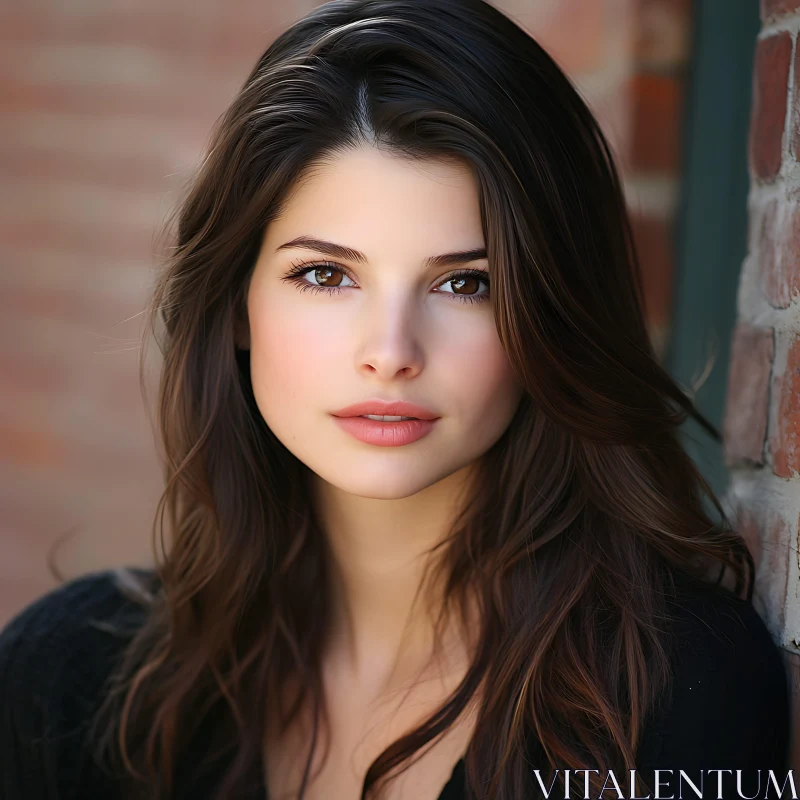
x=728, y=709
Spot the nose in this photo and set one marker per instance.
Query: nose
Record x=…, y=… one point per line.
x=391, y=342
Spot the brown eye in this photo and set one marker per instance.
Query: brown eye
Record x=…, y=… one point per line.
x=323, y=276
x=466, y=286
x=471, y=284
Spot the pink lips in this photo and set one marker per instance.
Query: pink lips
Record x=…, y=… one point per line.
x=398, y=408
x=386, y=434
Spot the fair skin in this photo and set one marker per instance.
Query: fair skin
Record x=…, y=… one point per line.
x=397, y=329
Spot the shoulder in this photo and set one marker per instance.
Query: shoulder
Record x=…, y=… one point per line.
x=55, y=656
x=717, y=632
x=60, y=638
x=728, y=702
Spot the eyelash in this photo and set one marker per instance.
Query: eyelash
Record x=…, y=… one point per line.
x=299, y=269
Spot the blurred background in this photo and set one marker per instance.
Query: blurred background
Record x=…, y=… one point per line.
x=105, y=108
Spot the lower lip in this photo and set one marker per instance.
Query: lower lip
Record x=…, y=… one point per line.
x=386, y=434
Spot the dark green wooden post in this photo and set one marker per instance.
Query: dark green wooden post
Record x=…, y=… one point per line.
x=711, y=229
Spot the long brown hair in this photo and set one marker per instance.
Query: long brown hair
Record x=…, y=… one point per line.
x=582, y=512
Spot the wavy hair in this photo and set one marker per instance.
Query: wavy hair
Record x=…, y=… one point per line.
x=584, y=509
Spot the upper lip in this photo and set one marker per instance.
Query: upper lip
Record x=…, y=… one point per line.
x=397, y=408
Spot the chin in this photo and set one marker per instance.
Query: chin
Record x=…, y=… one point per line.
x=379, y=482
x=386, y=489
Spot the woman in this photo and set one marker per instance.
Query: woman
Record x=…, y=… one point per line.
x=406, y=211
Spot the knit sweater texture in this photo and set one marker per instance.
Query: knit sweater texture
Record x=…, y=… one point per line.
x=728, y=708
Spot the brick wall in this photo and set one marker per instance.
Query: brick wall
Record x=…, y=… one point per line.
x=762, y=419
x=105, y=111
x=652, y=159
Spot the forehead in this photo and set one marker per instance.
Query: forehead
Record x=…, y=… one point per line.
x=372, y=199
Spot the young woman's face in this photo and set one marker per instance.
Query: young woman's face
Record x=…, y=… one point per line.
x=388, y=327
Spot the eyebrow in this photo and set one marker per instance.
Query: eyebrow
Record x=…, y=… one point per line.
x=348, y=253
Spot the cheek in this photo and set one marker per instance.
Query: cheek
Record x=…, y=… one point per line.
x=292, y=357
x=479, y=371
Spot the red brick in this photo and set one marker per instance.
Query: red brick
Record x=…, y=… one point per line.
x=746, y=411
x=129, y=173
x=765, y=531
x=574, y=33
x=656, y=109
x=794, y=145
x=778, y=252
x=775, y=8
x=43, y=302
x=100, y=243
x=197, y=103
x=33, y=376
x=662, y=31
x=32, y=447
x=169, y=30
x=768, y=112
x=769, y=256
x=206, y=39
x=774, y=567
x=784, y=443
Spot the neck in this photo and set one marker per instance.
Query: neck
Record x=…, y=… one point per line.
x=382, y=627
